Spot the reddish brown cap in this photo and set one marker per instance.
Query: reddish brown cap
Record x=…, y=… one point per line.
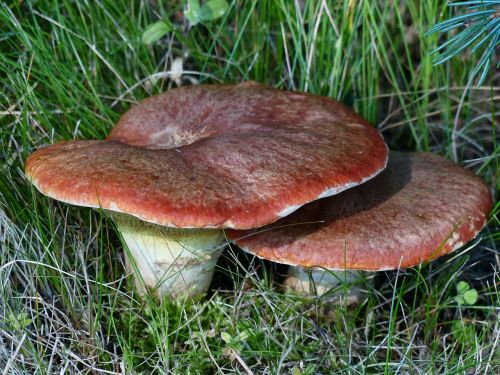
x=229, y=156
x=421, y=207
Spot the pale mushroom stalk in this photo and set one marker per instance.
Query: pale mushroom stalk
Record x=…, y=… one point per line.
x=176, y=262
x=348, y=286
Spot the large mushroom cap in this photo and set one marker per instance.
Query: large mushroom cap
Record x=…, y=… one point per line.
x=229, y=156
x=419, y=208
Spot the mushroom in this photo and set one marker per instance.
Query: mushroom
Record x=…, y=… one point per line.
x=419, y=208
x=181, y=166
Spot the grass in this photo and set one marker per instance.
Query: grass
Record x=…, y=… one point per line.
x=68, y=69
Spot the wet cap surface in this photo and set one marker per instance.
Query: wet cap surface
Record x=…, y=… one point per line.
x=228, y=156
x=421, y=207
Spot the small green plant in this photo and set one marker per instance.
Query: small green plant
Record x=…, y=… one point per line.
x=463, y=331
x=479, y=28
x=209, y=11
x=194, y=12
x=234, y=343
x=156, y=31
x=465, y=294
x=19, y=322
x=309, y=370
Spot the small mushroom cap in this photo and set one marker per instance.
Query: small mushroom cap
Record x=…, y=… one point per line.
x=226, y=156
x=419, y=208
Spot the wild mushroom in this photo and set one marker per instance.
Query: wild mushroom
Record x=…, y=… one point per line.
x=181, y=166
x=418, y=209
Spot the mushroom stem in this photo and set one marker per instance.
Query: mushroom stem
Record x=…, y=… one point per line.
x=343, y=285
x=174, y=262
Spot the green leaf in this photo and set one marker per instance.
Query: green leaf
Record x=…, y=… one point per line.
x=462, y=287
x=156, y=31
x=243, y=335
x=20, y=321
x=213, y=9
x=192, y=12
x=209, y=11
x=459, y=299
x=465, y=294
x=309, y=370
x=470, y=296
x=226, y=337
